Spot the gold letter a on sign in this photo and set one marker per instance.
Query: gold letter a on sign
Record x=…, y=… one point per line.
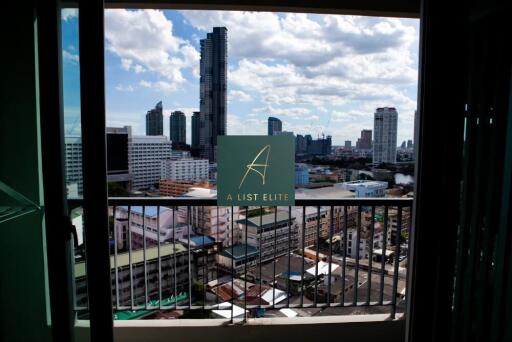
x=256, y=167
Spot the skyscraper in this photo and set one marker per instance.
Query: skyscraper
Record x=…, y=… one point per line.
x=155, y=120
x=385, y=128
x=178, y=127
x=212, y=91
x=348, y=144
x=365, y=142
x=274, y=125
x=196, y=117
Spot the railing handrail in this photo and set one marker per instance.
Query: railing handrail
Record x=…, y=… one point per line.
x=194, y=202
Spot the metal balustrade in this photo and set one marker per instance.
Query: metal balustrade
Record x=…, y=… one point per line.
x=185, y=272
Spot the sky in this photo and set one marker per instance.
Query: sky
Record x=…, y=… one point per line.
x=320, y=74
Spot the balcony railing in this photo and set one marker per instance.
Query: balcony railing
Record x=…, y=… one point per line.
x=368, y=270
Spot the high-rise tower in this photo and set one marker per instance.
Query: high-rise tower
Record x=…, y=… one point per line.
x=212, y=91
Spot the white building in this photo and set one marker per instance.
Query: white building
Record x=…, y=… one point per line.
x=274, y=234
x=190, y=169
x=73, y=151
x=145, y=155
x=364, y=188
x=385, y=131
x=212, y=221
x=158, y=225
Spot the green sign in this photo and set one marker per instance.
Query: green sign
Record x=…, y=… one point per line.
x=256, y=170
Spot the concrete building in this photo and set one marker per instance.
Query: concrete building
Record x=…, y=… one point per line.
x=155, y=120
x=212, y=221
x=163, y=224
x=365, y=142
x=270, y=233
x=385, y=128
x=274, y=125
x=188, y=169
x=146, y=154
x=73, y=160
x=348, y=144
x=301, y=175
x=170, y=255
x=321, y=146
x=313, y=224
x=178, y=127
x=212, y=91
x=177, y=188
x=300, y=144
x=237, y=257
x=363, y=188
x=118, y=160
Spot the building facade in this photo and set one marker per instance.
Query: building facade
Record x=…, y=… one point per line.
x=195, y=142
x=385, y=129
x=187, y=169
x=146, y=154
x=273, y=234
x=73, y=160
x=363, y=188
x=155, y=120
x=365, y=142
x=274, y=125
x=212, y=91
x=177, y=188
x=301, y=175
x=178, y=127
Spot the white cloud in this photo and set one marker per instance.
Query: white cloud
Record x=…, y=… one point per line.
x=144, y=41
x=125, y=88
x=238, y=95
x=68, y=13
x=161, y=86
x=68, y=56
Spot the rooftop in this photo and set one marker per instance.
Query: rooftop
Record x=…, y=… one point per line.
x=267, y=219
x=238, y=251
x=123, y=259
x=330, y=192
x=148, y=211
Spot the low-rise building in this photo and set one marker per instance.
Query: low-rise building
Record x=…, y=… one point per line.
x=189, y=169
x=274, y=234
x=364, y=188
x=177, y=188
x=236, y=257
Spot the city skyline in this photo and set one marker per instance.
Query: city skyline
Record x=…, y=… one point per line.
x=314, y=82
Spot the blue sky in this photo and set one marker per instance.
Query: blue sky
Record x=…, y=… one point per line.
x=317, y=73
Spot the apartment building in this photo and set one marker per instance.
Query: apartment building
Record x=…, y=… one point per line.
x=189, y=169
x=274, y=234
x=146, y=154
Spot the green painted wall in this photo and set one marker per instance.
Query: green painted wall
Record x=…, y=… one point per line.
x=24, y=308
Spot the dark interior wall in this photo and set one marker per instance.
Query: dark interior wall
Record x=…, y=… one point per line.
x=23, y=285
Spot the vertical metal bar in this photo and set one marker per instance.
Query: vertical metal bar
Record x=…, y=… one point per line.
x=345, y=243
x=396, y=261
x=115, y=257
x=232, y=264
x=261, y=237
x=175, y=256
x=289, y=255
x=130, y=255
x=216, y=264
x=317, y=253
x=47, y=71
x=144, y=257
x=205, y=265
x=159, y=258
x=330, y=256
x=370, y=258
x=275, y=250
x=189, y=222
x=384, y=250
x=245, y=264
x=94, y=164
x=303, y=256
x=356, y=271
